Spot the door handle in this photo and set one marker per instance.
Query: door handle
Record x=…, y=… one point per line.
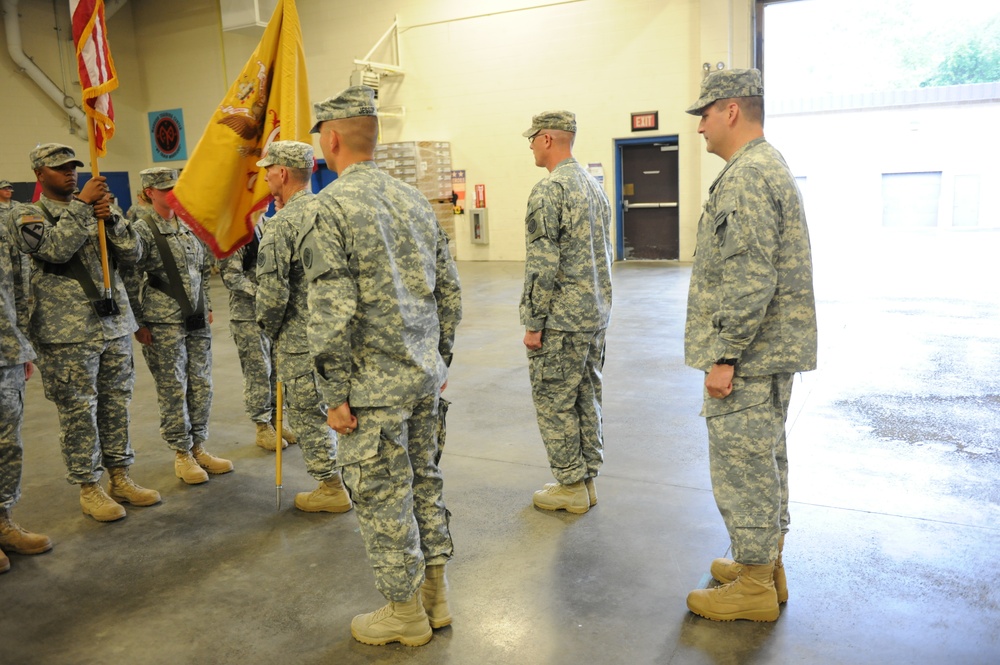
x=639, y=206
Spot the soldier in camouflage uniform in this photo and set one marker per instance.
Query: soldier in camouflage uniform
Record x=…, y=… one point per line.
x=170, y=298
x=282, y=312
x=16, y=355
x=565, y=309
x=81, y=335
x=239, y=274
x=142, y=205
x=6, y=196
x=751, y=324
x=384, y=302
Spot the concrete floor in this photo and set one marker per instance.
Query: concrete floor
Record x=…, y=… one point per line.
x=896, y=505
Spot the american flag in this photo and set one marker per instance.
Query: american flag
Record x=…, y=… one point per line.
x=97, y=69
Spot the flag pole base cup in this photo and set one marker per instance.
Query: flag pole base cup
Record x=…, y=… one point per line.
x=106, y=307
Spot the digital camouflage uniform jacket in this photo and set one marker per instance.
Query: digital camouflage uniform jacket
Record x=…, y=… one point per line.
x=61, y=312
x=15, y=349
x=567, y=272
x=384, y=295
x=239, y=274
x=282, y=296
x=751, y=293
x=146, y=282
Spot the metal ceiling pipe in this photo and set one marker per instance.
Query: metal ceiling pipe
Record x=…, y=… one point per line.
x=12, y=27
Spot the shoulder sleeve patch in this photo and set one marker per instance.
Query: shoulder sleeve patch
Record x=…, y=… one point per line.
x=32, y=229
x=312, y=257
x=265, y=257
x=728, y=234
x=535, y=223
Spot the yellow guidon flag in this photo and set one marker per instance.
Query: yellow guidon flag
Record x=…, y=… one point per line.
x=219, y=194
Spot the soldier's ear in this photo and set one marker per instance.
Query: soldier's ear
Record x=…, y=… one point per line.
x=333, y=141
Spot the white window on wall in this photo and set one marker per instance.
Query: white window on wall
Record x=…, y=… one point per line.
x=966, y=209
x=911, y=200
x=802, y=181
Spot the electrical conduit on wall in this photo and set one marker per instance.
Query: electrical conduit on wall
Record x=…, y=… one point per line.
x=12, y=27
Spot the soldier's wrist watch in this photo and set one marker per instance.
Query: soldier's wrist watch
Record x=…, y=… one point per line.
x=726, y=361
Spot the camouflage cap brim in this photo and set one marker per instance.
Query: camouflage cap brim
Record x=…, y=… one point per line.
x=560, y=120
x=358, y=100
x=727, y=84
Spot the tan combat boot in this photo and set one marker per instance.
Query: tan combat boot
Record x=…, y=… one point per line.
x=14, y=538
x=122, y=488
x=99, y=505
x=571, y=498
x=404, y=622
x=4, y=562
x=751, y=596
x=591, y=489
x=727, y=570
x=209, y=462
x=186, y=468
x=267, y=438
x=434, y=595
x=286, y=434
x=329, y=497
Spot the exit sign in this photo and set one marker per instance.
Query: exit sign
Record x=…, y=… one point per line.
x=645, y=121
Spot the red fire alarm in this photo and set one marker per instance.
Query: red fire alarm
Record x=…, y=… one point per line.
x=645, y=121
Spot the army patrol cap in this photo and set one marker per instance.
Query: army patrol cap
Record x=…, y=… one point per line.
x=726, y=84
x=5, y=184
x=52, y=154
x=562, y=120
x=358, y=100
x=293, y=154
x=158, y=177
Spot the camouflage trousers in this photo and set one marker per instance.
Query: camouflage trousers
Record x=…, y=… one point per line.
x=305, y=414
x=181, y=364
x=391, y=467
x=11, y=449
x=257, y=363
x=91, y=385
x=566, y=384
x=748, y=460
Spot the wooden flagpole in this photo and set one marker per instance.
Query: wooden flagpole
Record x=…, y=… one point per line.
x=277, y=448
x=94, y=172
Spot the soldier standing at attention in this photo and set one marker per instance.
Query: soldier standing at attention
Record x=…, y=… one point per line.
x=168, y=290
x=384, y=302
x=565, y=309
x=16, y=355
x=282, y=312
x=751, y=324
x=81, y=336
x=141, y=205
x=239, y=274
x=6, y=196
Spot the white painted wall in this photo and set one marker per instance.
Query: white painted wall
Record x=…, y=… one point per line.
x=475, y=74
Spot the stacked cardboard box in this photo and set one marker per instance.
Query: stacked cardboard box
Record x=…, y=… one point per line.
x=427, y=166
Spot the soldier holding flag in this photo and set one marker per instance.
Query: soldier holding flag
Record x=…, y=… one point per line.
x=81, y=338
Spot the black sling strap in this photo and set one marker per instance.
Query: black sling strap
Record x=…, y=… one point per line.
x=175, y=286
x=74, y=266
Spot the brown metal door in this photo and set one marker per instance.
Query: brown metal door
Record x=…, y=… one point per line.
x=650, y=218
